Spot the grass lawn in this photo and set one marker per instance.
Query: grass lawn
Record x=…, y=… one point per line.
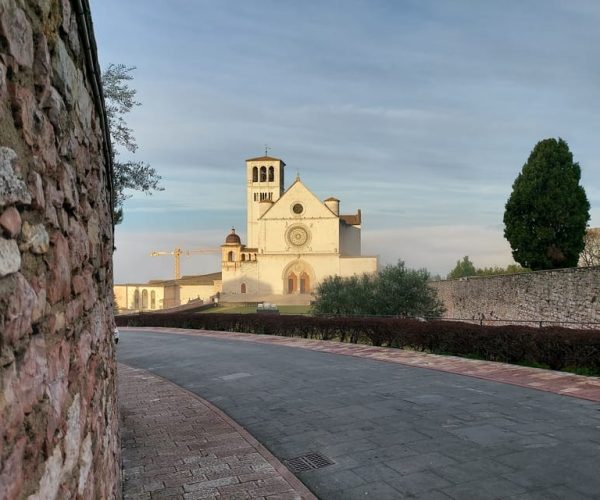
x=243, y=309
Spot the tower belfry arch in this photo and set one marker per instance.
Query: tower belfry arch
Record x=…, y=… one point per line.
x=264, y=182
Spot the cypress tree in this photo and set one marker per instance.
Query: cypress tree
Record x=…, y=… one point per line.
x=547, y=213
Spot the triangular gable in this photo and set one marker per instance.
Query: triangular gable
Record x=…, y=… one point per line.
x=298, y=193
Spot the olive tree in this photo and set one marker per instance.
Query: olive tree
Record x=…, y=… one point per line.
x=128, y=174
x=393, y=291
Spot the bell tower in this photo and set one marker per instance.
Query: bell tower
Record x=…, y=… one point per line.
x=265, y=182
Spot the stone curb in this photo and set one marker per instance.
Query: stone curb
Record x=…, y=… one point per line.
x=299, y=489
x=564, y=384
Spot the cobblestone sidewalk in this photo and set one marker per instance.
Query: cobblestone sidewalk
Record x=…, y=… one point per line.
x=178, y=446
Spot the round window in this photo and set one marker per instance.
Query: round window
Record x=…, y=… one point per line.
x=297, y=208
x=297, y=236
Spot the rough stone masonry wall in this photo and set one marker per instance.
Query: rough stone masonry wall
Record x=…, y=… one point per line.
x=564, y=295
x=58, y=415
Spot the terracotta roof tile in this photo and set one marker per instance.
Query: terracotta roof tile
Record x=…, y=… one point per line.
x=352, y=220
x=203, y=279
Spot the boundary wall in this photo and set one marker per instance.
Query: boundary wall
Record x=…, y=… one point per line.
x=58, y=408
x=570, y=297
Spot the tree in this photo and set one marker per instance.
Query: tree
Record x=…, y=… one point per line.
x=128, y=175
x=496, y=270
x=590, y=256
x=466, y=268
x=352, y=295
x=547, y=213
x=405, y=292
x=395, y=290
x=462, y=269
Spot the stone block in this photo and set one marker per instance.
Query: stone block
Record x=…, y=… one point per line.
x=17, y=30
x=17, y=299
x=32, y=373
x=10, y=257
x=10, y=222
x=34, y=238
x=59, y=280
x=12, y=188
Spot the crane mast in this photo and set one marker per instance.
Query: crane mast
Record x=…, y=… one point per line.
x=178, y=252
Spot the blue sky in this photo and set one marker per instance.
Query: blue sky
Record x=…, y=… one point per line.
x=421, y=113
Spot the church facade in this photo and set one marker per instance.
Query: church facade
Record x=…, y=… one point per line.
x=294, y=241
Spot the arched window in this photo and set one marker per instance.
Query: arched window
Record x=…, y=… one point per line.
x=255, y=174
x=136, y=299
x=243, y=257
x=263, y=174
x=144, y=299
x=243, y=288
x=271, y=174
x=152, y=299
x=230, y=256
x=292, y=283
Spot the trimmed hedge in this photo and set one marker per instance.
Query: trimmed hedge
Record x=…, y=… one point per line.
x=554, y=347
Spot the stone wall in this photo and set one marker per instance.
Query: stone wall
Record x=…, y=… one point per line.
x=564, y=295
x=58, y=414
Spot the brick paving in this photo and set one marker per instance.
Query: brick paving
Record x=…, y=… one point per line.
x=567, y=384
x=178, y=446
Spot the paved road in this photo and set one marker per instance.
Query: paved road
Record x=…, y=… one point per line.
x=393, y=431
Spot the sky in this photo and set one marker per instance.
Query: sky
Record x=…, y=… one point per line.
x=419, y=112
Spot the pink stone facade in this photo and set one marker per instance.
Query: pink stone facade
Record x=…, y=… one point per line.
x=58, y=412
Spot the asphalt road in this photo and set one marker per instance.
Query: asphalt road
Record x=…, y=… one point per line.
x=392, y=431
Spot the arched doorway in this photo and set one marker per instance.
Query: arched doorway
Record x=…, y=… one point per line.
x=304, y=283
x=144, y=299
x=292, y=283
x=298, y=277
x=136, y=299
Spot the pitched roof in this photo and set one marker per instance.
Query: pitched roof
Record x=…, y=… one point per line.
x=352, y=220
x=286, y=194
x=202, y=279
x=265, y=158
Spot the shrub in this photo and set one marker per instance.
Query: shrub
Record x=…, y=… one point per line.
x=555, y=347
x=395, y=290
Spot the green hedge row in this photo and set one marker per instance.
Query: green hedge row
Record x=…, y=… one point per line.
x=553, y=347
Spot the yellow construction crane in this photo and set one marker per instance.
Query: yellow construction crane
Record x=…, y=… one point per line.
x=178, y=252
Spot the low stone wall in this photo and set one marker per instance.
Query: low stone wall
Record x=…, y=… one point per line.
x=58, y=413
x=563, y=295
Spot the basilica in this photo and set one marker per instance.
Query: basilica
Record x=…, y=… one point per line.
x=294, y=241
